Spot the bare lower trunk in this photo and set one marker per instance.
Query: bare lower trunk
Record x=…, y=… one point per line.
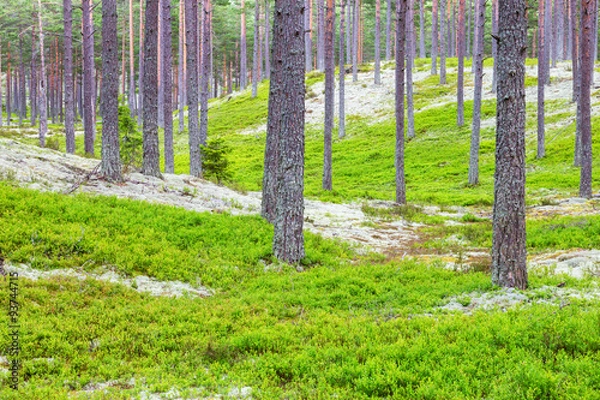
x=509, y=252
x=478, y=62
x=167, y=81
x=443, y=47
x=460, y=46
x=89, y=100
x=422, y=29
x=377, y=42
x=68, y=55
x=243, y=47
x=42, y=98
x=329, y=91
x=434, y=36
x=495, y=43
x=150, y=164
x=342, y=71
x=401, y=7
x=109, y=102
x=410, y=51
x=205, y=73
x=588, y=8
x=541, y=80
x=191, y=29
x=320, y=35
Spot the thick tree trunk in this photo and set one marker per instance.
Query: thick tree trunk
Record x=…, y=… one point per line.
x=410, y=51
x=191, y=38
x=205, y=73
x=109, y=103
x=460, y=47
x=509, y=252
x=422, y=29
x=401, y=7
x=541, y=149
x=141, y=64
x=342, y=72
x=329, y=90
x=443, y=46
x=256, y=51
x=288, y=239
x=478, y=62
x=89, y=99
x=243, y=47
x=588, y=8
x=69, y=91
x=167, y=80
x=377, y=72
x=43, y=130
x=150, y=164
x=434, y=36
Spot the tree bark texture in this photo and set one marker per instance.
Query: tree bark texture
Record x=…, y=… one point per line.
x=434, y=36
x=377, y=72
x=191, y=38
x=460, y=47
x=509, y=252
x=477, y=95
x=255, y=50
x=167, y=81
x=401, y=7
x=320, y=35
x=205, y=73
x=68, y=64
x=43, y=129
x=410, y=52
x=243, y=49
x=388, y=30
x=109, y=102
x=443, y=46
x=355, y=19
x=89, y=99
x=422, y=29
x=342, y=72
x=588, y=8
x=329, y=91
x=541, y=150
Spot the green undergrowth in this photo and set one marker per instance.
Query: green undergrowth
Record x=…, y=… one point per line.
x=51, y=231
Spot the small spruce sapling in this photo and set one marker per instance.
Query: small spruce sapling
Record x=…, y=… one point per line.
x=131, y=140
x=214, y=160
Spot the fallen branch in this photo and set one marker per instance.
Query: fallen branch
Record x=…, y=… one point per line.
x=85, y=179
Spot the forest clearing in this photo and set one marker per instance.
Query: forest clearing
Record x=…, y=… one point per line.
x=145, y=260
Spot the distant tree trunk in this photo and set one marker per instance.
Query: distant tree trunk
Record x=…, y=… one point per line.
x=267, y=51
x=548, y=39
x=1, y=106
x=574, y=47
x=205, y=73
x=109, y=102
x=32, y=78
x=150, y=164
x=22, y=98
x=349, y=35
x=167, y=81
x=8, y=88
x=495, y=43
x=307, y=35
x=342, y=105
x=43, y=130
x=329, y=90
x=509, y=252
x=288, y=239
x=355, y=41
x=68, y=55
x=401, y=7
x=243, y=52
x=159, y=67
x=191, y=38
x=588, y=8
x=410, y=51
x=478, y=61
x=181, y=71
x=468, y=31
x=541, y=149
x=452, y=30
x=460, y=45
x=434, y=36
x=422, y=29
x=388, y=30
x=377, y=72
x=141, y=64
x=89, y=100
x=560, y=30
x=320, y=35
x=443, y=46
x=256, y=52
x=131, y=96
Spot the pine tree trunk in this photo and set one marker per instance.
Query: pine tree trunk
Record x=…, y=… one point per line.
x=509, y=252
x=205, y=73
x=150, y=164
x=69, y=92
x=422, y=29
x=349, y=35
x=588, y=8
x=377, y=72
x=410, y=51
x=460, y=47
x=22, y=98
x=329, y=90
x=342, y=72
x=8, y=87
x=401, y=7
x=468, y=31
x=43, y=130
x=478, y=62
x=288, y=239
x=574, y=46
x=495, y=43
x=320, y=35
x=541, y=150
x=388, y=30
x=109, y=102
x=167, y=80
x=355, y=40
x=267, y=50
x=560, y=30
x=256, y=52
x=548, y=39
x=32, y=79
x=181, y=72
x=159, y=66
x=132, y=97
x=141, y=64
x=434, y=36
x=191, y=39
x=307, y=35
x=89, y=100
x=1, y=106
x=243, y=56
x=443, y=46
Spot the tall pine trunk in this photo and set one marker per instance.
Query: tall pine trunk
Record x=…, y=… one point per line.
x=329, y=91
x=167, y=80
x=422, y=29
x=410, y=52
x=588, y=8
x=191, y=39
x=288, y=238
x=509, y=252
x=401, y=7
x=43, y=130
x=243, y=48
x=89, y=99
x=460, y=46
x=478, y=62
x=541, y=151
x=151, y=158
x=69, y=90
x=355, y=19
x=388, y=30
x=377, y=72
x=434, y=36
x=109, y=102
x=205, y=72
x=131, y=97
x=342, y=72
x=256, y=51
x=443, y=46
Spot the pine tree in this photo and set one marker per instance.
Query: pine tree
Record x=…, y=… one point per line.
x=329, y=91
x=68, y=65
x=478, y=63
x=401, y=7
x=167, y=82
x=588, y=9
